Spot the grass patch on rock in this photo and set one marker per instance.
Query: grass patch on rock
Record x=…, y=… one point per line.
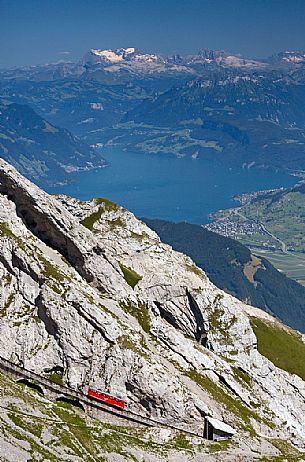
x=108, y=205
x=90, y=220
x=194, y=269
x=140, y=312
x=282, y=347
x=181, y=442
x=51, y=271
x=115, y=223
x=105, y=206
x=217, y=322
x=7, y=232
x=56, y=377
x=241, y=376
x=127, y=343
x=131, y=277
x=219, y=446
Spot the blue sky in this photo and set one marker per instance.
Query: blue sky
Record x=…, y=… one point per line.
x=39, y=31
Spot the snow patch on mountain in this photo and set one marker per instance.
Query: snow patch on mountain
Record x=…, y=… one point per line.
x=222, y=59
x=108, y=55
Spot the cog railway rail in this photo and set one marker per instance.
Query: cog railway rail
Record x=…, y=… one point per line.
x=54, y=391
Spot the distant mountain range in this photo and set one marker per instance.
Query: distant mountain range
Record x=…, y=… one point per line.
x=75, y=104
x=212, y=104
x=232, y=267
x=252, y=119
x=133, y=61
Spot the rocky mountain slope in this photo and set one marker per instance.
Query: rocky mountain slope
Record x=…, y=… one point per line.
x=229, y=95
x=233, y=268
x=90, y=294
x=40, y=150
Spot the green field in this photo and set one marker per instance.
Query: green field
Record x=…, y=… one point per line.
x=292, y=264
x=259, y=240
x=284, y=217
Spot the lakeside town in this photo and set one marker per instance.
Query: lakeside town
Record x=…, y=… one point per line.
x=230, y=228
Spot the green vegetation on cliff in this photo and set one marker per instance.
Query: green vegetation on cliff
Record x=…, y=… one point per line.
x=131, y=277
x=105, y=206
x=283, y=347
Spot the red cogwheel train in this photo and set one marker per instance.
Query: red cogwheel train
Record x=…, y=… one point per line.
x=106, y=398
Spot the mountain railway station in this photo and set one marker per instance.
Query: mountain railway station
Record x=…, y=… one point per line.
x=216, y=430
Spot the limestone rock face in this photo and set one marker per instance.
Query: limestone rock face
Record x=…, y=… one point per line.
x=50, y=222
x=90, y=291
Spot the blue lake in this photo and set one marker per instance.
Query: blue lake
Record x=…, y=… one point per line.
x=166, y=187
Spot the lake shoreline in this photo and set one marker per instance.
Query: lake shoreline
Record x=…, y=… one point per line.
x=158, y=186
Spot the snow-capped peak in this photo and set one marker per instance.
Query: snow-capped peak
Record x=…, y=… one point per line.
x=108, y=55
x=288, y=58
x=222, y=59
x=114, y=56
x=129, y=57
x=124, y=54
x=129, y=50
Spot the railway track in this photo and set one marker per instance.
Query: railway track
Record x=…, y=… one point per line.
x=61, y=391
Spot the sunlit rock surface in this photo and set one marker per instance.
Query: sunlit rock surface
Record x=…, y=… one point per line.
x=90, y=291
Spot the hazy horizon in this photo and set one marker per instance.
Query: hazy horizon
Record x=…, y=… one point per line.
x=38, y=32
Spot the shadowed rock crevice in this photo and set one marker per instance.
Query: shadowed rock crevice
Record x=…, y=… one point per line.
x=147, y=403
x=167, y=315
x=90, y=319
x=50, y=325
x=51, y=224
x=5, y=264
x=200, y=334
x=55, y=369
x=39, y=224
x=18, y=263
